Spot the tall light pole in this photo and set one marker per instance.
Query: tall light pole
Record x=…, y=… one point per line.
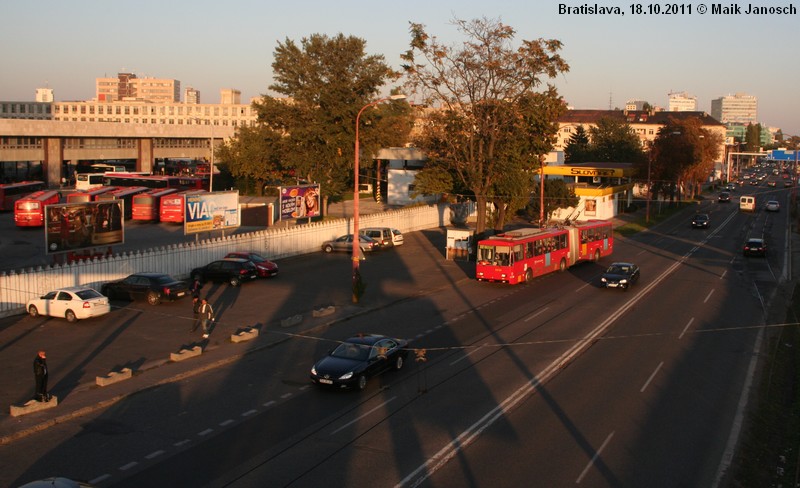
x=356, y=240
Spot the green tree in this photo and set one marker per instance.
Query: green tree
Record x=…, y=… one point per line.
x=255, y=152
x=613, y=140
x=752, y=138
x=483, y=91
x=578, y=148
x=556, y=195
x=328, y=80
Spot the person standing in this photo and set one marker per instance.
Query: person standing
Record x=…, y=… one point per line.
x=206, y=317
x=40, y=373
x=196, y=303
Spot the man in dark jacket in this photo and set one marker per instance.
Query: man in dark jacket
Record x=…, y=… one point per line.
x=40, y=373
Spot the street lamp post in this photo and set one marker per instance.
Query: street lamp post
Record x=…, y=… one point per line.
x=356, y=240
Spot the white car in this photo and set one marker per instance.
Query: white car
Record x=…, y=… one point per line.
x=773, y=206
x=73, y=303
x=397, y=237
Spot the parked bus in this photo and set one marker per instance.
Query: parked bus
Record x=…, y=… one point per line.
x=172, y=206
x=87, y=181
x=88, y=195
x=11, y=192
x=147, y=205
x=124, y=193
x=154, y=181
x=747, y=203
x=521, y=255
x=29, y=210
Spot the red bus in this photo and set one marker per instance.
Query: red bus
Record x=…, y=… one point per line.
x=155, y=181
x=172, y=206
x=126, y=194
x=29, y=210
x=147, y=205
x=521, y=255
x=88, y=195
x=11, y=192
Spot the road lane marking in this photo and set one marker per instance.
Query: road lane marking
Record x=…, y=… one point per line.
x=249, y=412
x=128, y=466
x=536, y=314
x=269, y=403
x=465, y=356
x=99, y=479
x=363, y=415
x=205, y=432
x=646, y=383
x=683, y=333
x=709, y=295
x=181, y=443
x=226, y=423
x=154, y=454
x=594, y=458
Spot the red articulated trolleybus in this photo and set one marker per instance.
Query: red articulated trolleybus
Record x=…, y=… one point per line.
x=11, y=192
x=521, y=255
x=29, y=210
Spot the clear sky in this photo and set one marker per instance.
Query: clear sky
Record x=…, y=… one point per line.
x=211, y=45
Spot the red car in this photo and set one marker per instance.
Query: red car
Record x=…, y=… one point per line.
x=265, y=267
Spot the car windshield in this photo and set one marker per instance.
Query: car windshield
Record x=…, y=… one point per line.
x=164, y=279
x=88, y=294
x=348, y=350
x=616, y=269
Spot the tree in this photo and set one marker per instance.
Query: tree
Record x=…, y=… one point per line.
x=556, y=195
x=484, y=96
x=255, y=152
x=327, y=81
x=578, y=148
x=752, y=138
x=614, y=141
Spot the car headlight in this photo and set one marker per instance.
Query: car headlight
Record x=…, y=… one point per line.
x=623, y=281
x=314, y=370
x=346, y=376
x=603, y=279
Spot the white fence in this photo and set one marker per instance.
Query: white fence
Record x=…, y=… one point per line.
x=17, y=287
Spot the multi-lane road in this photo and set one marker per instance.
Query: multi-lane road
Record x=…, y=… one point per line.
x=555, y=383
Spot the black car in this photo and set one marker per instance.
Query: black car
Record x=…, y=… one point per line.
x=620, y=275
x=701, y=220
x=153, y=287
x=357, y=359
x=724, y=197
x=232, y=270
x=755, y=247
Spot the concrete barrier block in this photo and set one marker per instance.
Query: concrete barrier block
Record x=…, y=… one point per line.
x=244, y=335
x=114, y=377
x=294, y=320
x=184, y=354
x=324, y=312
x=33, y=406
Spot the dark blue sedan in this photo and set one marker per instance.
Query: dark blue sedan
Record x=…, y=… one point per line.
x=357, y=359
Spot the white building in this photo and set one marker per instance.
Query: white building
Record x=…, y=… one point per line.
x=230, y=96
x=44, y=95
x=682, y=102
x=739, y=108
x=191, y=96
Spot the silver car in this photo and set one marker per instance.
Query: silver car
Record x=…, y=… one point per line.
x=345, y=243
x=73, y=303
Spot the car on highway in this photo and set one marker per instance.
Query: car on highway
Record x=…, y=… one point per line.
x=755, y=247
x=730, y=187
x=72, y=303
x=772, y=183
x=701, y=221
x=345, y=243
x=787, y=183
x=724, y=197
x=153, y=287
x=358, y=359
x=620, y=275
x=234, y=271
x=264, y=266
x=773, y=206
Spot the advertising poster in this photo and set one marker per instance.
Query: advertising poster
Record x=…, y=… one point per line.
x=299, y=202
x=211, y=211
x=75, y=226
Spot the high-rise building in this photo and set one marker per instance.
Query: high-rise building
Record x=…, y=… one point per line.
x=191, y=95
x=739, y=108
x=230, y=96
x=682, y=102
x=127, y=86
x=44, y=95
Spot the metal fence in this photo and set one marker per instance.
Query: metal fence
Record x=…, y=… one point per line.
x=17, y=287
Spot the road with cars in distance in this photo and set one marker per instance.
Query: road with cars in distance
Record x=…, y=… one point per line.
x=558, y=381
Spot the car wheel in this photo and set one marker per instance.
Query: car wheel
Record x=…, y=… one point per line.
x=562, y=265
x=33, y=311
x=70, y=316
x=398, y=363
x=153, y=298
x=528, y=275
x=625, y=287
x=234, y=281
x=328, y=248
x=362, y=382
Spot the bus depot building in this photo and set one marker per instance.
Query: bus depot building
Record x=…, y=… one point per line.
x=605, y=190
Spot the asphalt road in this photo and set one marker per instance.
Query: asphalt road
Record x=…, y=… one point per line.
x=556, y=381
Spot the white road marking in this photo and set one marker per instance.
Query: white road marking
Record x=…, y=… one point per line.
x=708, y=296
x=205, y=432
x=128, y=466
x=181, y=443
x=465, y=356
x=154, y=454
x=683, y=333
x=594, y=458
x=362, y=416
x=99, y=479
x=249, y=412
x=269, y=403
x=226, y=423
x=536, y=314
x=646, y=383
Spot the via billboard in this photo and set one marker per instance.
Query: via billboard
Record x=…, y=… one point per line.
x=205, y=212
x=299, y=202
x=76, y=226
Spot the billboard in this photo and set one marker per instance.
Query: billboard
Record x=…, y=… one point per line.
x=299, y=202
x=75, y=226
x=211, y=211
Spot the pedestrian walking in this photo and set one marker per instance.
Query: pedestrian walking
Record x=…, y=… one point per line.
x=195, y=289
x=196, y=310
x=206, y=317
x=40, y=373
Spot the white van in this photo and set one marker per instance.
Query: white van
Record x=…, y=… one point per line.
x=747, y=203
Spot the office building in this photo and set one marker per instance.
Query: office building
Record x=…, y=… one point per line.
x=230, y=96
x=739, y=108
x=191, y=96
x=127, y=86
x=44, y=95
x=682, y=102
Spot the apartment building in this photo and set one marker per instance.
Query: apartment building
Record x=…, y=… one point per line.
x=128, y=86
x=682, y=102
